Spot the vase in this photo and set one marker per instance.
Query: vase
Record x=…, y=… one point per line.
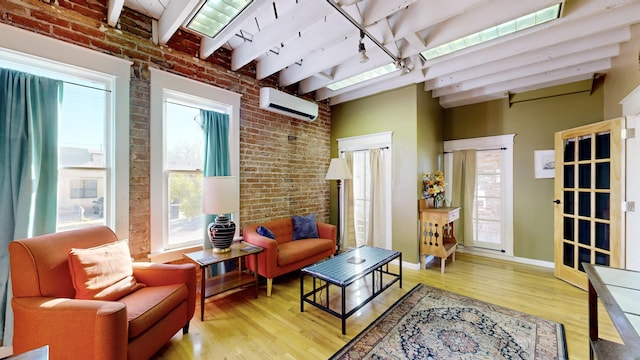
x=431, y=203
x=438, y=203
x=221, y=233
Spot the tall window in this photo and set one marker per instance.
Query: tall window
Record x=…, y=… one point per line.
x=487, y=203
x=82, y=144
x=93, y=129
x=492, y=213
x=357, y=211
x=177, y=159
x=361, y=183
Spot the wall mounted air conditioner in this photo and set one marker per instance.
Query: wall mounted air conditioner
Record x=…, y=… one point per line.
x=283, y=103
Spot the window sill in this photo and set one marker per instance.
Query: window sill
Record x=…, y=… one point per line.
x=172, y=255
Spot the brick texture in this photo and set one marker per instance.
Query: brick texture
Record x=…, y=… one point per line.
x=282, y=160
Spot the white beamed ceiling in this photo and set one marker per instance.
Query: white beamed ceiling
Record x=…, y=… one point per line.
x=309, y=44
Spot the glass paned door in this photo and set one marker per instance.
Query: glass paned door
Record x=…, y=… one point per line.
x=588, y=194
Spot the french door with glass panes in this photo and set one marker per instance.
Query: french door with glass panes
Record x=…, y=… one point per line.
x=588, y=189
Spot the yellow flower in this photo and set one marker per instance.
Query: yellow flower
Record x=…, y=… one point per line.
x=433, y=184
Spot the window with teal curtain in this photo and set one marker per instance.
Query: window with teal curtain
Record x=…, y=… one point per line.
x=215, y=126
x=29, y=111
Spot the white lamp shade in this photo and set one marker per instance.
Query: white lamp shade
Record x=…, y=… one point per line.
x=338, y=170
x=220, y=195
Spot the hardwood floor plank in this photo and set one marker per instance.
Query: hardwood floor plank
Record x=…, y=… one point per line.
x=239, y=326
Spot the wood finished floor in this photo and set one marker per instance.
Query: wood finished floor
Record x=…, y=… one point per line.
x=238, y=326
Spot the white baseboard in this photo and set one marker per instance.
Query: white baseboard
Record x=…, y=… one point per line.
x=486, y=253
x=500, y=256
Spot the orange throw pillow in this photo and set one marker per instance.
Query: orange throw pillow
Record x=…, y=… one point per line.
x=104, y=272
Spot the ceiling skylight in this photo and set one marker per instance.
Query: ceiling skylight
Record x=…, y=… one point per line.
x=215, y=15
x=509, y=27
x=367, y=75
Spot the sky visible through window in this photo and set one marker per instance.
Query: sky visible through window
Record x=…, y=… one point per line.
x=83, y=114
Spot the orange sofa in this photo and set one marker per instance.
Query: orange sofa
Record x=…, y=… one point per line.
x=283, y=254
x=46, y=310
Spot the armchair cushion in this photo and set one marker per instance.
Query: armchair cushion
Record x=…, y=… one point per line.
x=305, y=227
x=265, y=232
x=103, y=272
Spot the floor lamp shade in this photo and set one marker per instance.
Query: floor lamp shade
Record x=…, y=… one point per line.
x=219, y=197
x=338, y=170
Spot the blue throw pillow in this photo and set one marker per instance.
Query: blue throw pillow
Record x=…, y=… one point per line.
x=265, y=232
x=305, y=227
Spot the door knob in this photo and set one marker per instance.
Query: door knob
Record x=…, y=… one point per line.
x=556, y=201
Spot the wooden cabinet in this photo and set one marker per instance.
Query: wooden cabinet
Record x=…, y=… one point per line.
x=436, y=233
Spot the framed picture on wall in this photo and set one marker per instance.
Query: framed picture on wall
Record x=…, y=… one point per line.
x=544, y=163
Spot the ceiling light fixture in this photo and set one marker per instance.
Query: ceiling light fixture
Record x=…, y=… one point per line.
x=367, y=75
x=214, y=15
x=524, y=22
x=363, y=52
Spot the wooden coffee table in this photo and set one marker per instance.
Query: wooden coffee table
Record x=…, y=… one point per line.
x=229, y=280
x=343, y=270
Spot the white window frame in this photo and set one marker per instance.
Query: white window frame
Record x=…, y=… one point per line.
x=367, y=142
x=59, y=57
x=163, y=85
x=506, y=172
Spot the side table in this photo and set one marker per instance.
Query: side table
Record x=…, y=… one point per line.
x=228, y=280
x=436, y=233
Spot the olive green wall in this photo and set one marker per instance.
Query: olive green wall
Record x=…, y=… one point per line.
x=534, y=122
x=429, y=134
x=406, y=112
x=624, y=76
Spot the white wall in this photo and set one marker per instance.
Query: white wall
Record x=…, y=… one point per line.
x=631, y=109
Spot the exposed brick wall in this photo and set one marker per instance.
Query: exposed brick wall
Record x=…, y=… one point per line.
x=282, y=160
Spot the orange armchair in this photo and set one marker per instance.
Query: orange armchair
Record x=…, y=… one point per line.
x=133, y=327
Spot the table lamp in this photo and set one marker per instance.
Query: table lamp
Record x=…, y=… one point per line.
x=338, y=170
x=220, y=197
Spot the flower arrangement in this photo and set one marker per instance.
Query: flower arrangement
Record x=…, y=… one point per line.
x=433, y=185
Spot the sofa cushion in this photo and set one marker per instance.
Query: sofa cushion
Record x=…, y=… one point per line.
x=147, y=306
x=305, y=227
x=294, y=251
x=264, y=231
x=103, y=272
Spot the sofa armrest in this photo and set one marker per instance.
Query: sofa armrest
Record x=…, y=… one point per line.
x=153, y=274
x=80, y=329
x=269, y=257
x=327, y=231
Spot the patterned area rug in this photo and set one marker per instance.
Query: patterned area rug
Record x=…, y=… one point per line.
x=429, y=323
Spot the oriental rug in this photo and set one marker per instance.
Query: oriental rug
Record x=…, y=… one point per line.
x=430, y=323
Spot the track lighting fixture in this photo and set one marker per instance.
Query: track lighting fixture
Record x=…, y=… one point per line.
x=400, y=65
x=363, y=52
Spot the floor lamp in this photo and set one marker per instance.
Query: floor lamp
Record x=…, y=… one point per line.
x=338, y=170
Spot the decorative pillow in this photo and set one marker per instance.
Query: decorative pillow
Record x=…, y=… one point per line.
x=305, y=227
x=265, y=232
x=104, y=272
